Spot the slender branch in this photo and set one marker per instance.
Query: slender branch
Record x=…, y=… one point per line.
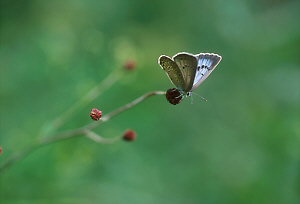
x=79, y=131
x=90, y=96
x=101, y=140
x=63, y=136
x=129, y=105
x=17, y=156
x=74, y=133
x=123, y=108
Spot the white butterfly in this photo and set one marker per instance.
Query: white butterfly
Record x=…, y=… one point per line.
x=187, y=71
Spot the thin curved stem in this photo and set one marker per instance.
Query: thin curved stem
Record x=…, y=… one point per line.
x=90, y=96
x=101, y=140
x=123, y=108
x=74, y=133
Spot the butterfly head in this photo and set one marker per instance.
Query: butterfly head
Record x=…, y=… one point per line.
x=184, y=93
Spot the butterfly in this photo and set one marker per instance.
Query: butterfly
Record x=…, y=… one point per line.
x=187, y=71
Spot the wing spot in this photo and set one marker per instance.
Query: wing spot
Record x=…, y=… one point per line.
x=202, y=66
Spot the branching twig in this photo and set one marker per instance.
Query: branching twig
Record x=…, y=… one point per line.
x=97, y=138
x=85, y=130
x=90, y=96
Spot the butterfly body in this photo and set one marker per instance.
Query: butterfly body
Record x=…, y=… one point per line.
x=187, y=71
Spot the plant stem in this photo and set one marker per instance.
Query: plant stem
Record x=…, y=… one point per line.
x=90, y=96
x=97, y=138
x=75, y=132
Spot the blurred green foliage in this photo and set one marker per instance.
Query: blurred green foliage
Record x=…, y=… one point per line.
x=242, y=146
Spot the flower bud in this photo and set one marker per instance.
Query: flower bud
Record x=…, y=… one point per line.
x=95, y=114
x=129, y=64
x=129, y=135
x=173, y=96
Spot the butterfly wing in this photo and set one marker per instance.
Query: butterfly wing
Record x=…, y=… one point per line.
x=172, y=70
x=206, y=64
x=187, y=64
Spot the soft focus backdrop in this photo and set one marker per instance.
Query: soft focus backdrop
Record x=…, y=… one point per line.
x=242, y=146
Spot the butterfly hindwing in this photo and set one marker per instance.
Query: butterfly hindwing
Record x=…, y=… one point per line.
x=187, y=64
x=206, y=64
x=172, y=70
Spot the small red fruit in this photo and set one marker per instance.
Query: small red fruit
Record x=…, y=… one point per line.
x=129, y=135
x=95, y=114
x=130, y=64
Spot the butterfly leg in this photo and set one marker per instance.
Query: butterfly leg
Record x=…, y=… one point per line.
x=181, y=95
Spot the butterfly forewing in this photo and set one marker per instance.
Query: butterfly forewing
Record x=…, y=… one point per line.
x=187, y=64
x=206, y=64
x=172, y=70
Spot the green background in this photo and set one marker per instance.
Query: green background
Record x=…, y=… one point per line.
x=242, y=146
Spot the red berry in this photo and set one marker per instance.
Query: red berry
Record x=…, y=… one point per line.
x=129, y=135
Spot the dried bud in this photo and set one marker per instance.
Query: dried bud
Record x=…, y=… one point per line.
x=95, y=114
x=0, y=150
x=130, y=64
x=129, y=135
x=173, y=96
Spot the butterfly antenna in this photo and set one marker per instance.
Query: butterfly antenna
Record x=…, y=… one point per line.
x=191, y=99
x=200, y=96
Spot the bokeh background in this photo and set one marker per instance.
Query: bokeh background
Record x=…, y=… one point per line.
x=242, y=146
